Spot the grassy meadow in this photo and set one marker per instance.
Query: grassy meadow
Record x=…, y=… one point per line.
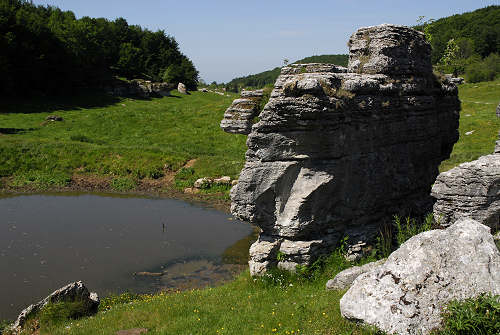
x=479, y=102
x=124, y=140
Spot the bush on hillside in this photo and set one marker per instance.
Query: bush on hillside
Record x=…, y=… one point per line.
x=485, y=70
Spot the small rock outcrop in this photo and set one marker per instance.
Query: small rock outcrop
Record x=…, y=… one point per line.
x=472, y=190
x=407, y=294
x=238, y=118
x=344, y=279
x=138, y=88
x=72, y=292
x=339, y=151
x=182, y=88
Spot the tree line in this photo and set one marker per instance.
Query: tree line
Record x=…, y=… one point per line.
x=266, y=78
x=467, y=43
x=46, y=50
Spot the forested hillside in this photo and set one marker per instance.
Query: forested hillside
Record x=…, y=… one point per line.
x=47, y=50
x=476, y=32
x=467, y=44
x=269, y=77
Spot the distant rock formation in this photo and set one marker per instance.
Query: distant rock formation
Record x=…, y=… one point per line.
x=70, y=293
x=138, y=88
x=182, y=88
x=339, y=151
x=238, y=118
x=407, y=294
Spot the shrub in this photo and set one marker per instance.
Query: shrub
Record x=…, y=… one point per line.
x=123, y=184
x=478, y=316
x=485, y=70
x=392, y=236
x=3, y=325
x=59, y=312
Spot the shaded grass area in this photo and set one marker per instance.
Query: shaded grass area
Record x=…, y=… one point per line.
x=479, y=102
x=127, y=138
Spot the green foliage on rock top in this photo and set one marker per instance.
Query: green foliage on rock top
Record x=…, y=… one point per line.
x=265, y=78
x=47, y=50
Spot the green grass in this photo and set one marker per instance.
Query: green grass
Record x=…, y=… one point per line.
x=285, y=304
x=123, y=138
x=479, y=102
x=479, y=316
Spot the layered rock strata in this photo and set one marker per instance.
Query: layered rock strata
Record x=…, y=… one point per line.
x=238, y=118
x=339, y=151
x=407, y=294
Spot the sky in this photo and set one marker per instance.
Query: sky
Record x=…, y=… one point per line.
x=229, y=39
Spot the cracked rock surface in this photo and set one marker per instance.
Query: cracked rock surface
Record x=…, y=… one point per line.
x=471, y=189
x=339, y=151
x=407, y=293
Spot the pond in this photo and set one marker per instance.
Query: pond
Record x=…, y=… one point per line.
x=112, y=244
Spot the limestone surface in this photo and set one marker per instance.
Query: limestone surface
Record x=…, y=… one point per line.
x=76, y=291
x=472, y=190
x=339, y=151
x=238, y=118
x=407, y=293
x=344, y=279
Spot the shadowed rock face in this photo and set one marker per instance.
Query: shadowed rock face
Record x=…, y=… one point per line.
x=337, y=153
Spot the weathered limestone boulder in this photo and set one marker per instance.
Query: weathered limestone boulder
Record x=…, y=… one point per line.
x=72, y=292
x=344, y=279
x=472, y=190
x=407, y=293
x=204, y=182
x=389, y=49
x=182, y=88
x=337, y=153
x=238, y=118
x=225, y=180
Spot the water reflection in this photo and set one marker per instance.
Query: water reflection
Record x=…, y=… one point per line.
x=47, y=241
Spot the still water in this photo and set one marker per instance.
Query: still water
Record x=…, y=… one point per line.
x=48, y=241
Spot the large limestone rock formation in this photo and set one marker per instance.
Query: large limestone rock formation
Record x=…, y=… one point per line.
x=337, y=151
x=76, y=291
x=406, y=294
x=238, y=118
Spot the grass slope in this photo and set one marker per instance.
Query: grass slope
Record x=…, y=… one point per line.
x=479, y=102
x=128, y=138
